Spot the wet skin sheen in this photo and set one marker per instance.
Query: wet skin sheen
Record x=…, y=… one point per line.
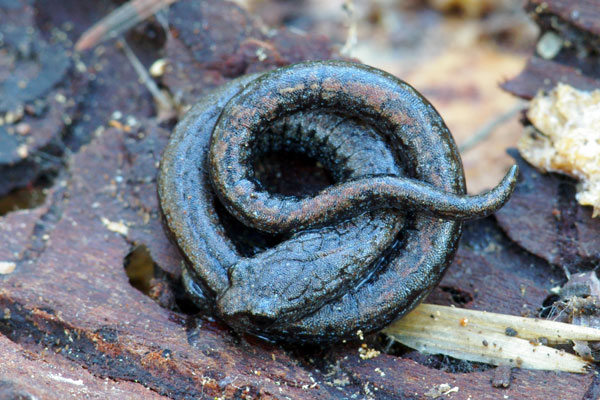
x=357, y=254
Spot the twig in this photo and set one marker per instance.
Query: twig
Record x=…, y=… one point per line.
x=351, y=37
x=162, y=101
x=487, y=130
x=119, y=21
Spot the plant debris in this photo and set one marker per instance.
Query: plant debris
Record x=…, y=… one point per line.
x=439, y=330
x=68, y=311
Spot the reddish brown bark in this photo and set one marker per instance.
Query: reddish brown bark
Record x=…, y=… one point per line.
x=71, y=324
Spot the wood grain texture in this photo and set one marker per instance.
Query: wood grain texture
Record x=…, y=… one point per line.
x=72, y=325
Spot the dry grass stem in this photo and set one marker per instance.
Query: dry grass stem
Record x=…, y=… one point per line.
x=492, y=338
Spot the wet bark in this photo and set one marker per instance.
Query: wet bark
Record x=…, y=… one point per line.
x=72, y=323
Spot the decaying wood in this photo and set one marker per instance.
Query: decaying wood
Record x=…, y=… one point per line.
x=540, y=74
x=577, y=25
x=71, y=321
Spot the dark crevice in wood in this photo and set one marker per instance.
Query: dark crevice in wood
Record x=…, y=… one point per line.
x=26, y=198
x=139, y=267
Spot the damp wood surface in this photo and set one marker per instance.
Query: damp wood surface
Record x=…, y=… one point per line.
x=89, y=138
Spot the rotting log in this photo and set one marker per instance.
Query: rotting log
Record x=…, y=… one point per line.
x=71, y=324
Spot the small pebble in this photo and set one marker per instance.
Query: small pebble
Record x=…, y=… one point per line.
x=510, y=332
x=549, y=45
x=23, y=128
x=6, y=267
x=158, y=67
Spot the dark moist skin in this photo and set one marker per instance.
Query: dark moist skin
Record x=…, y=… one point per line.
x=356, y=255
